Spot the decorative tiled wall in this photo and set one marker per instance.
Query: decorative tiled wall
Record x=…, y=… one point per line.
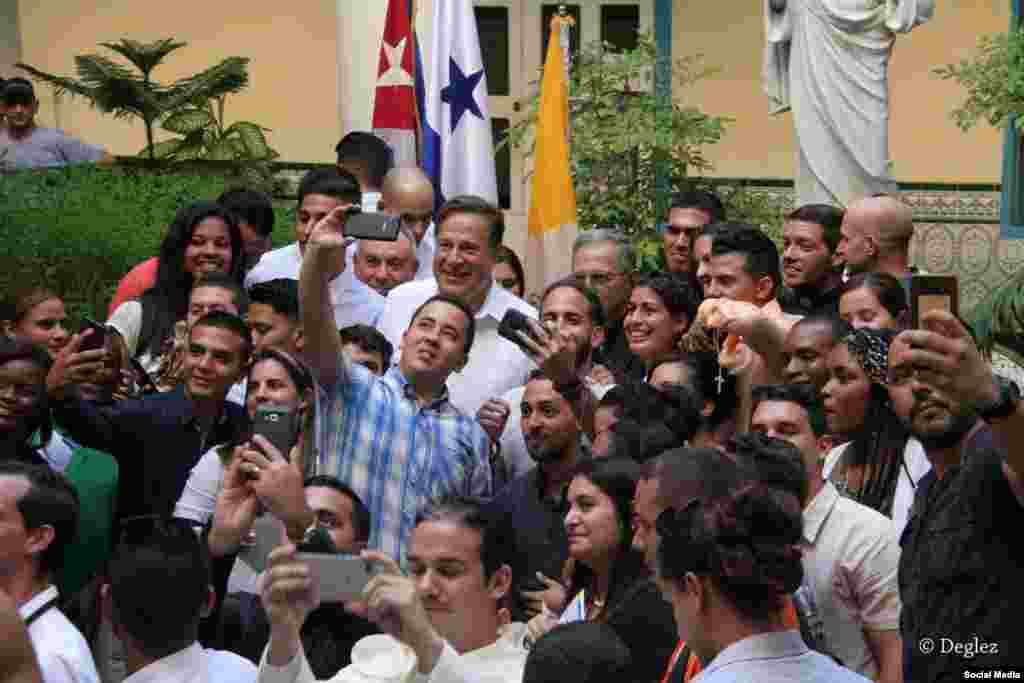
x=956, y=233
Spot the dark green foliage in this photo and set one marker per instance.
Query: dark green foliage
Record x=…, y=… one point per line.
x=78, y=230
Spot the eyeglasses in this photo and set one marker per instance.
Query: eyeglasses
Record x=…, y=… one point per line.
x=597, y=279
x=141, y=529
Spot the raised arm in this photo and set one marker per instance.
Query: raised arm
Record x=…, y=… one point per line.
x=945, y=351
x=326, y=246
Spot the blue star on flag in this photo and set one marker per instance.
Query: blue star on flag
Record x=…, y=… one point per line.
x=459, y=93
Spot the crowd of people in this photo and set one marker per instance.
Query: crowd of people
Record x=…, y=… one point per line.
x=746, y=465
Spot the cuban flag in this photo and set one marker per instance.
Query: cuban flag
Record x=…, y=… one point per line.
x=457, y=144
x=394, y=104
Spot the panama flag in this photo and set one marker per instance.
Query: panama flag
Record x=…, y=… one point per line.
x=458, y=148
x=394, y=105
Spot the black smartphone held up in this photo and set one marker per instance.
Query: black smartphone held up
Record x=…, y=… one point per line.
x=516, y=321
x=97, y=339
x=278, y=425
x=372, y=226
x=931, y=292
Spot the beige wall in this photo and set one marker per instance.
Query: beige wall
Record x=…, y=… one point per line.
x=925, y=145
x=293, y=73
x=10, y=37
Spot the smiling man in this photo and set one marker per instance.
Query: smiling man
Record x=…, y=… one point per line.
x=810, y=237
x=689, y=212
x=469, y=232
x=321, y=191
x=374, y=429
x=159, y=438
x=447, y=613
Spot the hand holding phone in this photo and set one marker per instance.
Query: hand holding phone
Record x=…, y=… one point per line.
x=514, y=322
x=932, y=292
x=280, y=425
x=372, y=226
x=97, y=337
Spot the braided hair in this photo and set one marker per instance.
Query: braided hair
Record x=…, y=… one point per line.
x=878, y=446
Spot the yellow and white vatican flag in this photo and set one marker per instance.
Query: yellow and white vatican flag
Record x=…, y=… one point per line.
x=552, y=217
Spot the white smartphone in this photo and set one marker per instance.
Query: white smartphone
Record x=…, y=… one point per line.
x=339, y=578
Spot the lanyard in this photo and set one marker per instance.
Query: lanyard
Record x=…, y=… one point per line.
x=42, y=609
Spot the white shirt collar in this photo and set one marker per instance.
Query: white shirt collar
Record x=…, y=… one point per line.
x=175, y=667
x=38, y=600
x=818, y=510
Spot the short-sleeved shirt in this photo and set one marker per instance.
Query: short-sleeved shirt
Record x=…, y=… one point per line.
x=397, y=455
x=45, y=148
x=960, y=572
x=135, y=283
x=495, y=365
x=850, y=569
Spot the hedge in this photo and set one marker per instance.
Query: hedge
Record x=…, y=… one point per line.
x=78, y=230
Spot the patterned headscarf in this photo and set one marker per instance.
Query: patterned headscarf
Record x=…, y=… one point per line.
x=871, y=349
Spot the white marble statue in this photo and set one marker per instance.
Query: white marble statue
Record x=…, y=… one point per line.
x=827, y=60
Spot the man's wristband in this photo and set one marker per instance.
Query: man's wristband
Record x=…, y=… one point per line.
x=1005, y=405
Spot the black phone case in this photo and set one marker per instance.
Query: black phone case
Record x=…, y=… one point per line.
x=96, y=340
x=279, y=427
x=372, y=226
x=512, y=322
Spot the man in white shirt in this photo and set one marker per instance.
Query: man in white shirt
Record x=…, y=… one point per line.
x=368, y=159
x=853, y=554
x=383, y=265
x=321, y=191
x=409, y=195
x=576, y=312
x=469, y=231
x=444, y=621
x=157, y=592
x=39, y=512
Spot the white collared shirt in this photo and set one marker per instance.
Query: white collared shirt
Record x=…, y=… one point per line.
x=850, y=567
x=61, y=650
x=915, y=465
x=352, y=301
x=382, y=659
x=196, y=665
x=495, y=366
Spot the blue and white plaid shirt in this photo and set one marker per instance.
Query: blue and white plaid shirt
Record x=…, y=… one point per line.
x=396, y=455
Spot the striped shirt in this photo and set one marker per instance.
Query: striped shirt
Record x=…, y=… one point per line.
x=396, y=455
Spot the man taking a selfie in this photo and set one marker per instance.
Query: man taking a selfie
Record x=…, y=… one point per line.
x=397, y=440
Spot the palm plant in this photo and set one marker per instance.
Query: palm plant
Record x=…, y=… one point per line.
x=124, y=92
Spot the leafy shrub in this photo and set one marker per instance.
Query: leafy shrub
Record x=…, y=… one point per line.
x=78, y=230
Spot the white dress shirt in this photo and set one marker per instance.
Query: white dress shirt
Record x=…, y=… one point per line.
x=197, y=665
x=850, y=567
x=353, y=301
x=61, y=650
x=915, y=465
x=495, y=364
x=382, y=659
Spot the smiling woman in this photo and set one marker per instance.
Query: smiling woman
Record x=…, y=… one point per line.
x=606, y=575
x=659, y=312
x=204, y=238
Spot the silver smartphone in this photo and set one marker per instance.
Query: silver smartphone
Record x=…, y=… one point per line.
x=339, y=578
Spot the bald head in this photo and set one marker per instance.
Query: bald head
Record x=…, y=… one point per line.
x=407, y=192
x=876, y=234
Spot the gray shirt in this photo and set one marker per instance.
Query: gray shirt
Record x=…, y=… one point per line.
x=45, y=148
x=779, y=657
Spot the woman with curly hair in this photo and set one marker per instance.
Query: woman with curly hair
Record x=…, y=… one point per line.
x=728, y=564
